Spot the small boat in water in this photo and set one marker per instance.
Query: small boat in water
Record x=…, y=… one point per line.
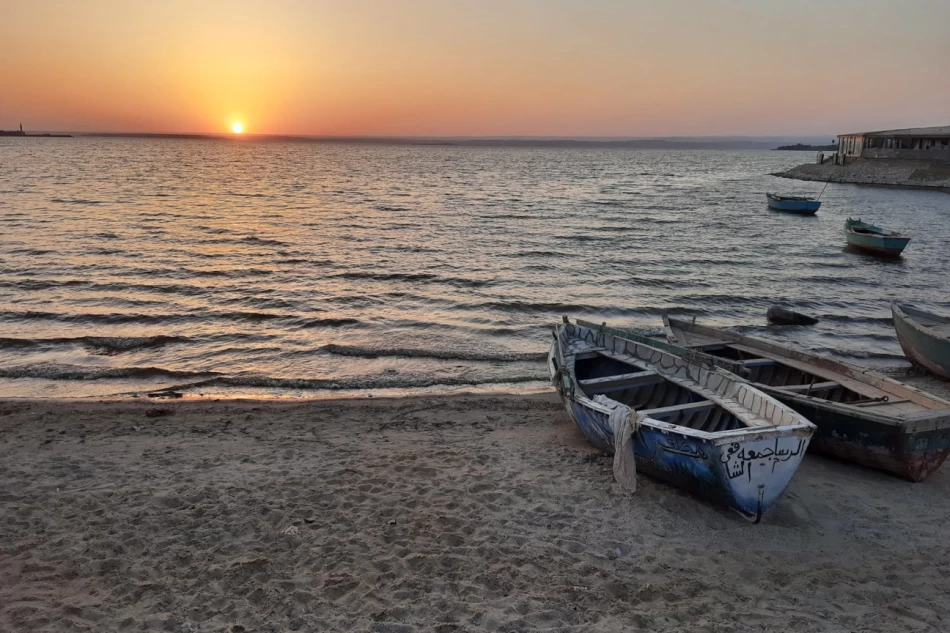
x=924, y=337
x=873, y=239
x=697, y=427
x=861, y=416
x=801, y=205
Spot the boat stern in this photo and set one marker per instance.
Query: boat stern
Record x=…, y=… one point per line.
x=757, y=470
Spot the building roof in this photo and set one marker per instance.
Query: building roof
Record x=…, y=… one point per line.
x=910, y=131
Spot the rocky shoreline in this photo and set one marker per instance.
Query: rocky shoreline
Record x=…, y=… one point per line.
x=925, y=174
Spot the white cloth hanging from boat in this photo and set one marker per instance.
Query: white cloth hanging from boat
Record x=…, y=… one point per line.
x=623, y=422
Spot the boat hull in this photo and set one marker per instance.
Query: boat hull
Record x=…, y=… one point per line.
x=800, y=207
x=748, y=475
x=910, y=446
x=878, y=444
x=929, y=351
x=877, y=245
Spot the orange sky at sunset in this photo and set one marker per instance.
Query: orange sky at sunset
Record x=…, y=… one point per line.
x=466, y=68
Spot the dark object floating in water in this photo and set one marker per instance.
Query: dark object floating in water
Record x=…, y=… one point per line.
x=158, y=413
x=694, y=426
x=782, y=316
x=165, y=394
x=800, y=205
x=873, y=239
x=924, y=337
x=861, y=416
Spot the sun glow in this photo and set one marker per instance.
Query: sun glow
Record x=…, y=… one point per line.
x=237, y=127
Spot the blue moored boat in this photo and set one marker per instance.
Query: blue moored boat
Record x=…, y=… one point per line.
x=801, y=205
x=697, y=427
x=873, y=239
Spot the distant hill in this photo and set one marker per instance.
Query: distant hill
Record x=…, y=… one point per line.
x=799, y=147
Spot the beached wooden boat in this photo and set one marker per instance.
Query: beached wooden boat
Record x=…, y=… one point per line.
x=873, y=239
x=801, y=205
x=924, y=337
x=861, y=416
x=698, y=428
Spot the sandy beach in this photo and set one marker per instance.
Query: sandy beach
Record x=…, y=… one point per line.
x=457, y=513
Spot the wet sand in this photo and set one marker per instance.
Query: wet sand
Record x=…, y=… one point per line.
x=462, y=513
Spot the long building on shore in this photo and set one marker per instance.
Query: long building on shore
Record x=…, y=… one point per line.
x=917, y=143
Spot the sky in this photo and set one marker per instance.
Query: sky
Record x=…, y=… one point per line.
x=584, y=68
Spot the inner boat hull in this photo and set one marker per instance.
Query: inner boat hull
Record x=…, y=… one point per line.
x=746, y=468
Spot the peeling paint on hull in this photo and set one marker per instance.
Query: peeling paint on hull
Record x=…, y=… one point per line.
x=887, y=447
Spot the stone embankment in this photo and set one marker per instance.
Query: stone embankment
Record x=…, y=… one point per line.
x=928, y=174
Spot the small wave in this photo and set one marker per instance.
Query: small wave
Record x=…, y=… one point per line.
x=144, y=318
x=52, y=371
x=539, y=254
x=846, y=318
x=376, y=352
x=416, y=277
x=530, y=307
x=44, y=284
x=100, y=345
x=252, y=239
x=584, y=238
x=30, y=251
x=106, y=236
x=385, y=207
x=74, y=201
x=246, y=195
x=312, y=323
x=369, y=382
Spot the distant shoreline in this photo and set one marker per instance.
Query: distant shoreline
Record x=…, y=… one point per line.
x=6, y=134
x=802, y=147
x=724, y=144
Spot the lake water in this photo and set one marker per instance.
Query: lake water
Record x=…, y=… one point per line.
x=267, y=268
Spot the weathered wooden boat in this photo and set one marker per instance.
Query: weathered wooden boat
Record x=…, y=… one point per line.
x=861, y=416
x=801, y=205
x=924, y=337
x=698, y=428
x=873, y=239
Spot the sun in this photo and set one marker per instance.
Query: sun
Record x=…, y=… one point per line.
x=237, y=127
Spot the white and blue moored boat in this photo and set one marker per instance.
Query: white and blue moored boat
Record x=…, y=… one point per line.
x=696, y=426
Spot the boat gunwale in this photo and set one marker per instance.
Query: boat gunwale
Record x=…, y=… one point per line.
x=908, y=316
x=745, y=433
x=880, y=234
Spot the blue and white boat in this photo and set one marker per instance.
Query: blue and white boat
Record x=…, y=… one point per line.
x=873, y=239
x=698, y=427
x=802, y=205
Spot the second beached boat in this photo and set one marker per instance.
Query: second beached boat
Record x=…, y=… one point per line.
x=698, y=428
x=873, y=239
x=924, y=337
x=861, y=416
